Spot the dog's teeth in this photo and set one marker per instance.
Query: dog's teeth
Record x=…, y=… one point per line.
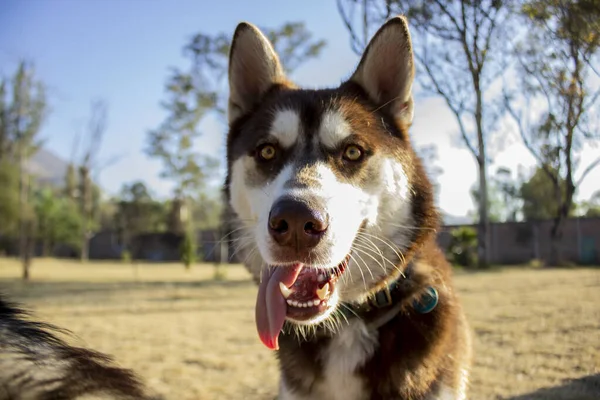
x=316, y=302
x=294, y=303
x=290, y=302
x=323, y=292
x=321, y=278
x=285, y=291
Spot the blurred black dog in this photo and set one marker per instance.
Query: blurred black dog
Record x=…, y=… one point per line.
x=35, y=364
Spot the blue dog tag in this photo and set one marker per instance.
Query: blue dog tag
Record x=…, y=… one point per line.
x=427, y=301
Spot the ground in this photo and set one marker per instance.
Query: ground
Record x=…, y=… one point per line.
x=537, y=332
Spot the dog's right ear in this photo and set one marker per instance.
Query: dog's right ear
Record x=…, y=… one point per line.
x=387, y=70
x=253, y=68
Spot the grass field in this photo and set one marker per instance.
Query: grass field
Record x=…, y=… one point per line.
x=537, y=332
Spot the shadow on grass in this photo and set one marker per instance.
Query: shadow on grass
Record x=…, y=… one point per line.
x=37, y=290
x=494, y=269
x=586, y=388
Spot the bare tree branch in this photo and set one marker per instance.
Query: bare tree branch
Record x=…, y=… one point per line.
x=522, y=131
x=587, y=171
x=460, y=29
x=354, y=40
x=456, y=111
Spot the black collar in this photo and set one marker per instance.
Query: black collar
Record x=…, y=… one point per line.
x=392, y=297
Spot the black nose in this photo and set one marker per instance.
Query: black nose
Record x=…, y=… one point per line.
x=293, y=223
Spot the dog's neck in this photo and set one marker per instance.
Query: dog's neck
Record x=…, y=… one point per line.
x=402, y=293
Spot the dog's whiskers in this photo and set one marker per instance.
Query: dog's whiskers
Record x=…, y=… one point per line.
x=416, y=228
x=372, y=246
x=390, y=244
x=249, y=240
x=360, y=268
x=363, y=248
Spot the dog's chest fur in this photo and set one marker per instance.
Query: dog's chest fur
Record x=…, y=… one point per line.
x=340, y=359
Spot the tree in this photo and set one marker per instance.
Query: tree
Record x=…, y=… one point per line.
x=504, y=202
x=509, y=193
x=207, y=210
x=138, y=213
x=197, y=92
x=539, y=201
x=86, y=192
x=456, y=43
x=58, y=220
x=22, y=112
x=556, y=102
x=9, y=199
x=496, y=212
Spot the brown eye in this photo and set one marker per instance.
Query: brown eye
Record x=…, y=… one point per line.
x=267, y=152
x=353, y=153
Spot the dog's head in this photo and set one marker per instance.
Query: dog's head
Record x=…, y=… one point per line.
x=325, y=190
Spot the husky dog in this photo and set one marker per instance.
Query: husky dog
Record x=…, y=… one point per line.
x=338, y=228
x=36, y=365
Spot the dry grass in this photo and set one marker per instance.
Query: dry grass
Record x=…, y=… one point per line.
x=191, y=337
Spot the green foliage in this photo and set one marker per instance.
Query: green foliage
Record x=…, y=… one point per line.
x=71, y=182
x=572, y=21
x=504, y=201
x=58, y=219
x=126, y=257
x=495, y=205
x=22, y=112
x=536, y=263
x=188, y=250
x=9, y=198
x=137, y=212
x=556, y=57
x=207, y=210
x=539, y=196
x=463, y=247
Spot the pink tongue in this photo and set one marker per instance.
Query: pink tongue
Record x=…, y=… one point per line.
x=270, y=303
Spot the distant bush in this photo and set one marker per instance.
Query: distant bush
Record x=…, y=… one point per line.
x=536, y=263
x=188, y=250
x=126, y=256
x=463, y=247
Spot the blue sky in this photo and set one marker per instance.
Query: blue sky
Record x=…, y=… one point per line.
x=122, y=50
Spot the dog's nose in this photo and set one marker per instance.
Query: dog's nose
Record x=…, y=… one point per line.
x=293, y=223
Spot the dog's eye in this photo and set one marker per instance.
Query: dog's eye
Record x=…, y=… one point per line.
x=267, y=152
x=353, y=153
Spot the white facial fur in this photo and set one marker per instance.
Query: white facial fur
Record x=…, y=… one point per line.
x=383, y=204
x=334, y=129
x=286, y=127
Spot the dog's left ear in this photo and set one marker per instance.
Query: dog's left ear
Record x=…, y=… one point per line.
x=386, y=70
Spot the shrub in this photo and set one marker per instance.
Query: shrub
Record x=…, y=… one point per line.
x=463, y=247
x=188, y=250
x=126, y=256
x=536, y=263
